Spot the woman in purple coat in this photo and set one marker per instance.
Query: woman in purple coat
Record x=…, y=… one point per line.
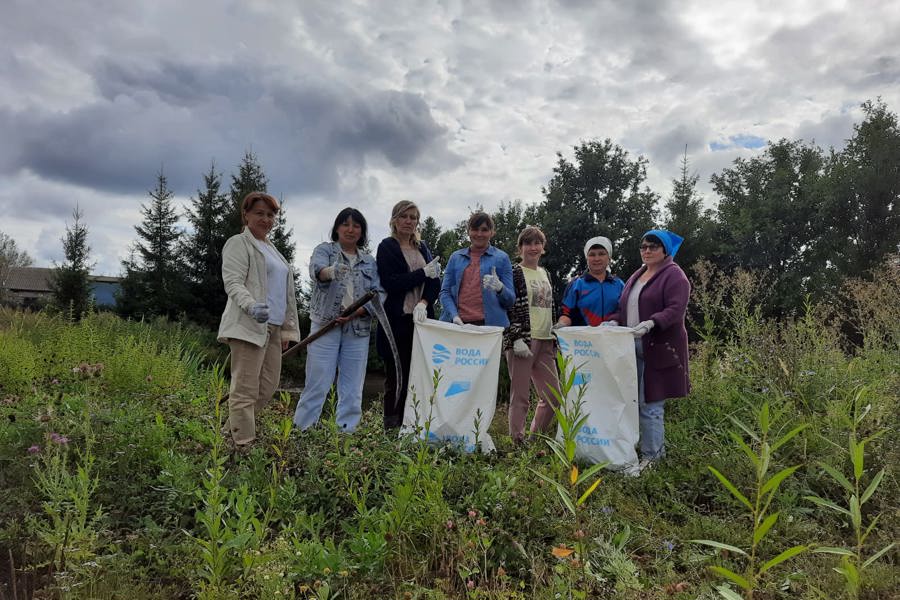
x=654, y=304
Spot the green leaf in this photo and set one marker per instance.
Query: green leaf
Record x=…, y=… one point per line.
x=589, y=472
x=772, y=484
x=855, y=513
x=743, y=446
x=869, y=529
x=849, y=571
x=827, y=504
x=787, y=437
x=838, y=476
x=789, y=553
x=765, y=455
x=872, y=487
x=730, y=486
x=562, y=491
x=878, y=555
x=746, y=429
x=857, y=457
x=763, y=529
x=738, y=579
x=834, y=550
x=720, y=546
x=764, y=418
x=564, y=494
x=728, y=593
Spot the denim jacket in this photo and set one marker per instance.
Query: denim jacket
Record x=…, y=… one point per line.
x=325, y=303
x=495, y=305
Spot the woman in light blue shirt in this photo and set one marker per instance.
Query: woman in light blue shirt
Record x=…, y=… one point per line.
x=342, y=272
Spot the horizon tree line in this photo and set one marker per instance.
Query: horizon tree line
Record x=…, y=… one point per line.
x=803, y=219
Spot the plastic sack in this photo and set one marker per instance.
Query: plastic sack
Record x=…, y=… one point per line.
x=605, y=364
x=467, y=361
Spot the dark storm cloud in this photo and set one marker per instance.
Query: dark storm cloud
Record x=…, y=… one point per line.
x=178, y=115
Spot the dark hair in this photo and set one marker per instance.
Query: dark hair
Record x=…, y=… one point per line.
x=479, y=218
x=357, y=217
x=653, y=239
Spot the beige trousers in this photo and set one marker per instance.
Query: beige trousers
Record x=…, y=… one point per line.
x=255, y=373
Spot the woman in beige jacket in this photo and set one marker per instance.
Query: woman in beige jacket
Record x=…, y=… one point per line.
x=260, y=316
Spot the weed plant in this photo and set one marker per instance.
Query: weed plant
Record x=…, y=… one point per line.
x=371, y=515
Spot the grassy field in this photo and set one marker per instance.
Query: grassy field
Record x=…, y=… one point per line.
x=115, y=484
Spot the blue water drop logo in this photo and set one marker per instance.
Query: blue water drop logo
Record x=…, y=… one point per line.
x=458, y=387
x=563, y=344
x=439, y=354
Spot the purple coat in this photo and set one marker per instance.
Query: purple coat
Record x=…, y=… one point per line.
x=664, y=300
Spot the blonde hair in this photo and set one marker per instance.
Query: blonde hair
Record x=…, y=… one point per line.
x=400, y=208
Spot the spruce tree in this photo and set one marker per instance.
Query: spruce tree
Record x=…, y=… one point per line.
x=209, y=217
x=70, y=283
x=250, y=178
x=686, y=217
x=155, y=275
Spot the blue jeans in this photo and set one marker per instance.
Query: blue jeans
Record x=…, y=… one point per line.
x=650, y=415
x=341, y=351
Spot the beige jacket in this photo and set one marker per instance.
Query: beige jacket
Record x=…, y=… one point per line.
x=244, y=275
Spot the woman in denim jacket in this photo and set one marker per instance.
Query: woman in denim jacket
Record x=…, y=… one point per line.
x=342, y=273
x=478, y=285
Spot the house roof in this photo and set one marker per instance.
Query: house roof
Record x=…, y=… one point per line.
x=37, y=279
x=34, y=279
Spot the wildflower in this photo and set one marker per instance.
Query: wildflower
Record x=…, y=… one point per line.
x=472, y=514
x=470, y=584
x=668, y=545
x=56, y=438
x=607, y=510
x=327, y=571
x=481, y=522
x=579, y=534
x=343, y=573
x=449, y=524
x=34, y=449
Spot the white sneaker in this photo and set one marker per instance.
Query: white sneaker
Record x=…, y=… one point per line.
x=645, y=465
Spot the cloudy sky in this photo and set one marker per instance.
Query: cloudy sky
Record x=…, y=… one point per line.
x=449, y=103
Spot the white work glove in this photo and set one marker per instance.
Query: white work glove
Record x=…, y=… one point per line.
x=458, y=321
x=611, y=323
x=492, y=282
x=433, y=269
x=521, y=349
x=338, y=270
x=420, y=313
x=259, y=312
x=642, y=328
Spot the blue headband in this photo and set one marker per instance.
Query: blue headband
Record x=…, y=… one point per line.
x=671, y=241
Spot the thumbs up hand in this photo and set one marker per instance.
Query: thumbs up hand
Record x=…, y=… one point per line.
x=492, y=282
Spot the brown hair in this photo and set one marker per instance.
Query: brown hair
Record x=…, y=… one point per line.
x=479, y=218
x=254, y=197
x=531, y=234
x=400, y=208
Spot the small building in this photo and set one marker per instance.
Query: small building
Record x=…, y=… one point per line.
x=29, y=287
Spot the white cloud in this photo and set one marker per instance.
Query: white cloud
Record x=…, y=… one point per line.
x=451, y=103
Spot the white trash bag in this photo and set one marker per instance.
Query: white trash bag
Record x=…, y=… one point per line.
x=605, y=363
x=468, y=360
